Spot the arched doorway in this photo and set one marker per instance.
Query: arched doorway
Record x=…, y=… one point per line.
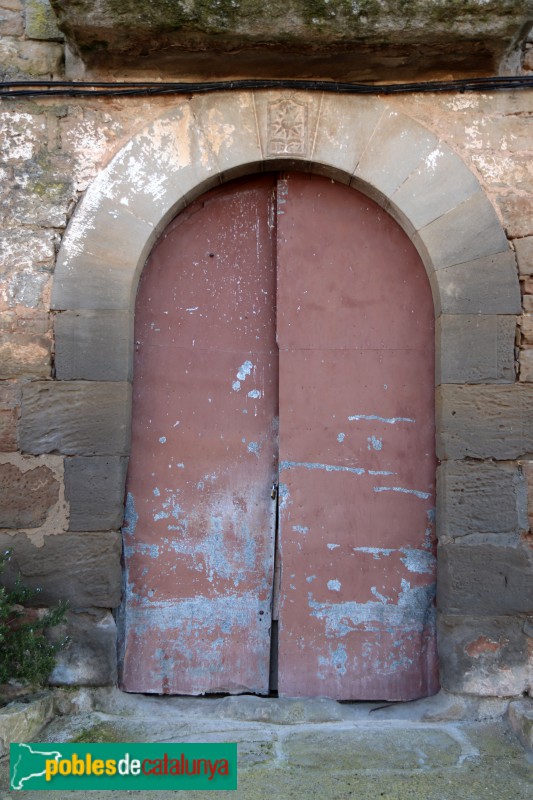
x=350, y=572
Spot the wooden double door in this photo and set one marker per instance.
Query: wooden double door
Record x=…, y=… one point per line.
x=280, y=498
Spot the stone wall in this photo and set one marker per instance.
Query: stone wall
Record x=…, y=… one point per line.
x=66, y=540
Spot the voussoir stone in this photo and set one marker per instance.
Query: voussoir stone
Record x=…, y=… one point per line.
x=76, y=417
x=83, y=568
x=94, y=345
x=475, y=348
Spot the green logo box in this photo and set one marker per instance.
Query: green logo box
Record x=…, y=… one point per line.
x=67, y=767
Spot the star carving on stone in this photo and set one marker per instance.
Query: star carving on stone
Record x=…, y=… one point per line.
x=288, y=121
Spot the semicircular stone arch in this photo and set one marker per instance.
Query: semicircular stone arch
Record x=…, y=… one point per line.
x=209, y=139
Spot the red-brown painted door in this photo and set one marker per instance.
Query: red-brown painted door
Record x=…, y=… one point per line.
x=357, y=457
x=199, y=539
x=355, y=554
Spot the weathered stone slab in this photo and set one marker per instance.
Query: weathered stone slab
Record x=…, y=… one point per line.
x=484, y=579
x=365, y=749
x=294, y=39
x=20, y=59
x=483, y=656
x=94, y=345
x=83, y=568
x=91, y=656
x=484, y=421
x=76, y=417
x=526, y=328
x=476, y=497
x=22, y=248
x=27, y=495
x=396, y=148
x=11, y=18
x=475, y=348
x=487, y=285
x=94, y=487
x=524, y=254
x=40, y=194
x=468, y=232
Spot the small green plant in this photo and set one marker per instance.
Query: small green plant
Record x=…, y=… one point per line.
x=26, y=654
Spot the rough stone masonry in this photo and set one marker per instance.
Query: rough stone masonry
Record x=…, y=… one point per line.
x=64, y=430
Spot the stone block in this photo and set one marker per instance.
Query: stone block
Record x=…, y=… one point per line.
x=21, y=136
x=485, y=580
x=40, y=194
x=287, y=123
x=23, y=720
x=94, y=345
x=10, y=394
x=524, y=254
x=11, y=18
x=27, y=288
x=107, y=263
x=24, y=355
x=521, y=720
x=438, y=185
x=90, y=659
x=527, y=469
x=483, y=421
x=83, y=568
x=94, y=487
x=23, y=249
x=396, y=149
x=517, y=214
x=27, y=495
x=346, y=125
x=475, y=497
x=41, y=22
x=526, y=327
x=468, y=232
x=483, y=655
x=527, y=302
x=20, y=59
x=76, y=417
x=526, y=366
x=486, y=285
x=475, y=348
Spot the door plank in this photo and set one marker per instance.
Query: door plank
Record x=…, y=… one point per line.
x=357, y=458
x=199, y=539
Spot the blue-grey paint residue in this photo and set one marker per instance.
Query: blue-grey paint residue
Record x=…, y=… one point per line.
x=341, y=437
x=156, y=493
x=236, y=386
x=255, y=394
x=431, y=513
x=244, y=370
x=334, y=585
x=162, y=439
x=131, y=517
x=332, y=546
x=413, y=612
x=388, y=420
x=300, y=529
x=339, y=658
x=421, y=495
x=374, y=443
x=419, y=561
x=376, y=552
x=380, y=472
x=161, y=515
x=254, y=447
x=310, y=578
x=326, y=467
x=284, y=496
x=380, y=597
x=151, y=550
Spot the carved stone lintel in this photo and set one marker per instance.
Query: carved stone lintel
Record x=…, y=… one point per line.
x=287, y=127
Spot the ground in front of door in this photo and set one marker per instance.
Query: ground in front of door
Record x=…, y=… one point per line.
x=315, y=748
